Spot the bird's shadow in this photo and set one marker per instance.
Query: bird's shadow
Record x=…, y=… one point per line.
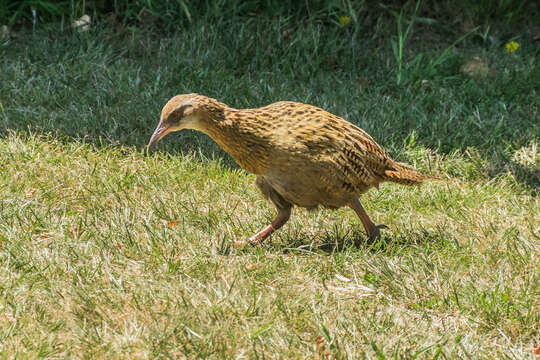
x=358, y=240
x=330, y=243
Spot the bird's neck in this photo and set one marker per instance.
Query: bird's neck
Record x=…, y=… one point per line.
x=238, y=132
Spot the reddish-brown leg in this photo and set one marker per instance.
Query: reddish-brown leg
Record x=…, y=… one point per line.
x=280, y=220
x=372, y=230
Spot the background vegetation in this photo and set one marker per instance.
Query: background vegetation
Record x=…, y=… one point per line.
x=171, y=15
x=108, y=251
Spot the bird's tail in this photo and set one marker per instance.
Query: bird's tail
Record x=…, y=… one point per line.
x=404, y=174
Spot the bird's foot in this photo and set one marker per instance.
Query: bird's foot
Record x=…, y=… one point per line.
x=257, y=238
x=254, y=240
x=374, y=233
x=240, y=243
x=281, y=218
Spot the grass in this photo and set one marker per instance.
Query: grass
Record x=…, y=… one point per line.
x=109, y=252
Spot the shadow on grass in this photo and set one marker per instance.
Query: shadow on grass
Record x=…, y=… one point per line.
x=527, y=176
x=353, y=240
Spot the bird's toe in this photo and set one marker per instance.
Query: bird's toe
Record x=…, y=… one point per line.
x=375, y=232
x=240, y=243
x=254, y=240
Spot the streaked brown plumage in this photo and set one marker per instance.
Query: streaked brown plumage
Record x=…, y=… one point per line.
x=302, y=155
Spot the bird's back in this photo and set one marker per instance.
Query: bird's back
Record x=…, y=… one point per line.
x=310, y=156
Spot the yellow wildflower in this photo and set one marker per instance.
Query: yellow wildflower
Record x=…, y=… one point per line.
x=344, y=21
x=511, y=46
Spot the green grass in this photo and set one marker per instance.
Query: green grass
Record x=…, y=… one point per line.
x=91, y=269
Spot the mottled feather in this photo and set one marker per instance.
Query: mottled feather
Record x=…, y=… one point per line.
x=309, y=156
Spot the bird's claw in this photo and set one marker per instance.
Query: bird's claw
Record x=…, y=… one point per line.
x=375, y=233
x=254, y=240
x=240, y=243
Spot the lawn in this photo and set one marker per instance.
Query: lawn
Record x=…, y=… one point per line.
x=110, y=251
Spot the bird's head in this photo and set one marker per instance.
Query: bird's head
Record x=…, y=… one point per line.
x=181, y=112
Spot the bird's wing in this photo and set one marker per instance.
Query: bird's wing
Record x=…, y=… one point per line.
x=355, y=158
x=344, y=151
x=366, y=158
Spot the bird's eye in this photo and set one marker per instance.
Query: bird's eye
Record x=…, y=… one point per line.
x=188, y=110
x=180, y=112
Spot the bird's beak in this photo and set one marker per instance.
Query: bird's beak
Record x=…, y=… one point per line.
x=160, y=132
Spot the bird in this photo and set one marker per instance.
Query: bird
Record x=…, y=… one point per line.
x=301, y=154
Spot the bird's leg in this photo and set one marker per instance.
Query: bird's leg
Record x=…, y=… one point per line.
x=280, y=220
x=372, y=230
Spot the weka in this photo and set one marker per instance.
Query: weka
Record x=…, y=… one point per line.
x=301, y=154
